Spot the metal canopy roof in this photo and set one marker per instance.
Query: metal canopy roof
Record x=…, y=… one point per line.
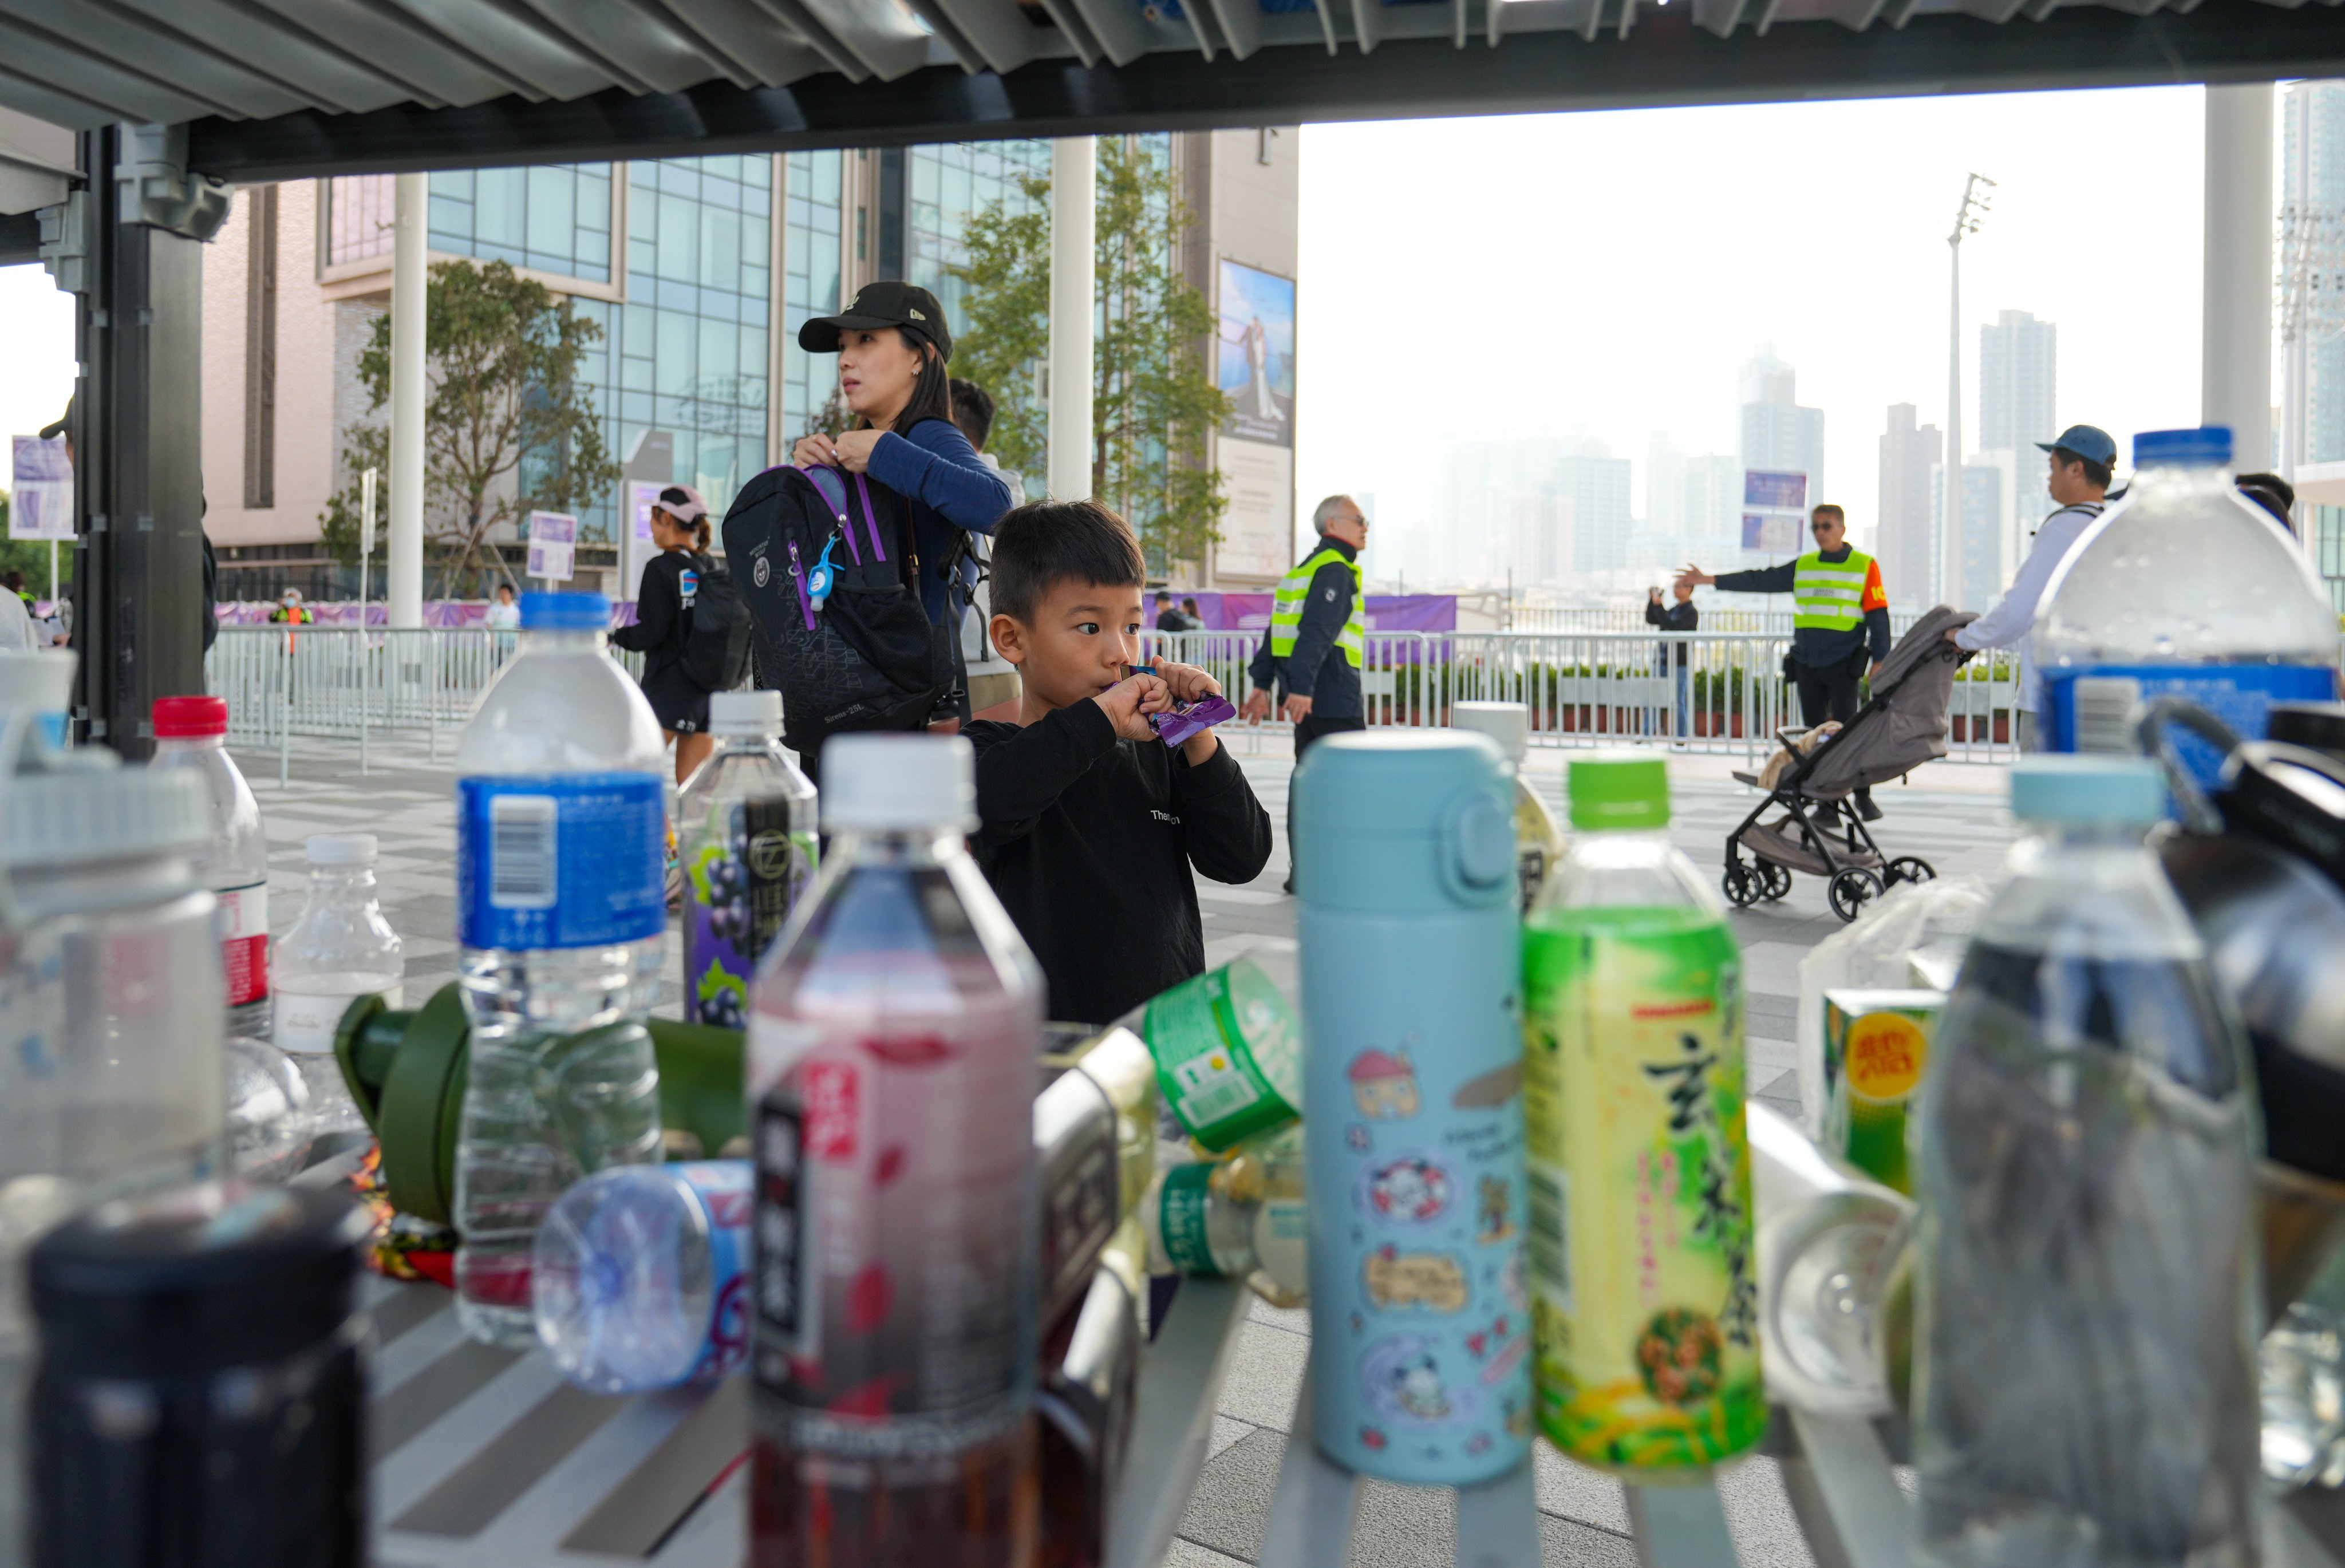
x=285, y=88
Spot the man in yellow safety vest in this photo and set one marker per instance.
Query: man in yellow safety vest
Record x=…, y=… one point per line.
x=1318, y=635
x=1839, y=621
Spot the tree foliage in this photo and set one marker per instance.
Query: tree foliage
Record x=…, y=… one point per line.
x=1154, y=397
x=508, y=428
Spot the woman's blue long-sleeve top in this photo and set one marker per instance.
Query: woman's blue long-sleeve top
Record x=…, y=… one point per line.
x=940, y=477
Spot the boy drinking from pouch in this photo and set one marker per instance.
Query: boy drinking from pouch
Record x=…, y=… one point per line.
x=1089, y=822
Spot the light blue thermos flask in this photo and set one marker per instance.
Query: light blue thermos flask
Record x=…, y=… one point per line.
x=1413, y=1112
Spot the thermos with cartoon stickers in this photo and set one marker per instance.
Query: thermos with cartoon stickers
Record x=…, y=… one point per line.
x=1420, y=1320
x=1641, y=1235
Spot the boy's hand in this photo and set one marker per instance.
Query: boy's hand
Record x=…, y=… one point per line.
x=1187, y=683
x=1128, y=704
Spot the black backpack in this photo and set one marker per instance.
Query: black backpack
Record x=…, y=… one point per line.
x=715, y=628
x=867, y=657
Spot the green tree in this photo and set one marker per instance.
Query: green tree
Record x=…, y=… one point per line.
x=31, y=557
x=1153, y=399
x=508, y=428
x=365, y=446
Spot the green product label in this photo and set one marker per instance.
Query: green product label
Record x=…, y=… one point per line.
x=1644, y=1289
x=1228, y=1054
x=1181, y=1219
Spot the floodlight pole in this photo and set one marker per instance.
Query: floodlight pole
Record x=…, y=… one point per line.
x=1967, y=218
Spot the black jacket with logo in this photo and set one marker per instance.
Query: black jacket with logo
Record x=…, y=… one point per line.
x=1089, y=840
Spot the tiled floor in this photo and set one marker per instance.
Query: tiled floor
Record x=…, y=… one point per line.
x=1953, y=815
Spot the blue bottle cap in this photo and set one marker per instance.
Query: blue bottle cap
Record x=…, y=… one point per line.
x=2207, y=445
x=1403, y=821
x=2113, y=791
x=564, y=611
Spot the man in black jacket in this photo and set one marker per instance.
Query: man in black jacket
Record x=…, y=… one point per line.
x=1680, y=616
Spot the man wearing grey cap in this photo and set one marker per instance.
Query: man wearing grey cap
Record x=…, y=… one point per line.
x=2081, y=459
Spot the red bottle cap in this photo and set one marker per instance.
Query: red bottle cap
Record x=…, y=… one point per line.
x=186, y=718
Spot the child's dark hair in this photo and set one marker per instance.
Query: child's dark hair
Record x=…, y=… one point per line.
x=972, y=411
x=1049, y=541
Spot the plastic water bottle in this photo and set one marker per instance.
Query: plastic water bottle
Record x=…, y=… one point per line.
x=191, y=733
x=340, y=950
x=745, y=820
x=2183, y=587
x=2303, y=1371
x=641, y=1276
x=1539, y=842
x=1410, y=944
x=894, y=1043
x=1642, y=1257
x=561, y=849
x=2087, y=1262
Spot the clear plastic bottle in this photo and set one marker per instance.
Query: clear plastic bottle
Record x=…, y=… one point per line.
x=2087, y=1260
x=894, y=1042
x=191, y=733
x=2303, y=1372
x=745, y=820
x=1644, y=1280
x=562, y=905
x=1538, y=839
x=641, y=1276
x=2183, y=587
x=340, y=950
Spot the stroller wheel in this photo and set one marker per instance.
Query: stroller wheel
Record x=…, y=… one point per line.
x=1742, y=888
x=1909, y=868
x=1851, y=890
x=1775, y=880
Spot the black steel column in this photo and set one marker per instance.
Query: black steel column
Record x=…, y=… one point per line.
x=138, y=436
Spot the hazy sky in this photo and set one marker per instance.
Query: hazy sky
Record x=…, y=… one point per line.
x=1520, y=277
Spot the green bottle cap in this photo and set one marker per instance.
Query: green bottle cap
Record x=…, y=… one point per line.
x=1620, y=789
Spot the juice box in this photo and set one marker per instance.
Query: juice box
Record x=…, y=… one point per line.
x=1876, y=1045
x=1643, y=1279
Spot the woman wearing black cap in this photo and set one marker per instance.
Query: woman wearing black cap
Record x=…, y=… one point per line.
x=671, y=580
x=892, y=346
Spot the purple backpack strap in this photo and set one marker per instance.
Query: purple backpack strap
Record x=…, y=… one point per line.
x=830, y=483
x=871, y=516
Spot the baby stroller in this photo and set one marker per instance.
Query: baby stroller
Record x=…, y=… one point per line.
x=1901, y=726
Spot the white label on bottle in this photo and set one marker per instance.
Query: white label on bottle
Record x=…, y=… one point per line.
x=244, y=942
x=306, y=1020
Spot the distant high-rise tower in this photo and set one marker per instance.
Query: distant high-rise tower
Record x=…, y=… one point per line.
x=1596, y=486
x=1905, y=540
x=1778, y=434
x=2019, y=361
x=1664, y=485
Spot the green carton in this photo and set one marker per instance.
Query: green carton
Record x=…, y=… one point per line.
x=1876, y=1047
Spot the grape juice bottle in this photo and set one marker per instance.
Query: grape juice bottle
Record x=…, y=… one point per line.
x=746, y=826
x=894, y=1044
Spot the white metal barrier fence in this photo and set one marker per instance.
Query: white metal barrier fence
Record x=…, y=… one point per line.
x=1703, y=692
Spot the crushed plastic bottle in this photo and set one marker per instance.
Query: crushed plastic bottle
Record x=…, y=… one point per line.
x=191, y=733
x=561, y=906
x=340, y=950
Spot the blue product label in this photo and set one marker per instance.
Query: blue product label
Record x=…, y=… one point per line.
x=568, y=860
x=727, y=1196
x=2089, y=708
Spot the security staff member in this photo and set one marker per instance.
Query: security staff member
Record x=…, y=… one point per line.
x=1839, y=608
x=1319, y=636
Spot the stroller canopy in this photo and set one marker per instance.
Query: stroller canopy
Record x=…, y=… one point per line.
x=1905, y=725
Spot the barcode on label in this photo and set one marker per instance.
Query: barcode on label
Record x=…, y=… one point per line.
x=1216, y=1099
x=1550, y=1242
x=522, y=852
x=2104, y=703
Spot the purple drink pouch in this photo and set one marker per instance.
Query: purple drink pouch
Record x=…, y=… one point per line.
x=1188, y=719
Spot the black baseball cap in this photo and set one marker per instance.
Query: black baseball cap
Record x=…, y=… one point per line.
x=903, y=306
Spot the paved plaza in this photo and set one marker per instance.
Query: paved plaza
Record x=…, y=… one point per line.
x=1952, y=814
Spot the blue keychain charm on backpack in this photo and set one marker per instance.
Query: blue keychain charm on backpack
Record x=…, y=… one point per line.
x=817, y=583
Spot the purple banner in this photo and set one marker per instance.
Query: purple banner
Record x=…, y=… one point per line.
x=1385, y=611
x=439, y=614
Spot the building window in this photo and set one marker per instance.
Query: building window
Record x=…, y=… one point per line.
x=260, y=348
x=360, y=210
x=951, y=184
x=2329, y=548
x=555, y=219
x=810, y=244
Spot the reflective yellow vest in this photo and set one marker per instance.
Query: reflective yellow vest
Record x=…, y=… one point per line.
x=1830, y=596
x=1286, y=609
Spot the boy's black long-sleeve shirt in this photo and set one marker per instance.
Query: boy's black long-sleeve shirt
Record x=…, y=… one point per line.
x=1089, y=840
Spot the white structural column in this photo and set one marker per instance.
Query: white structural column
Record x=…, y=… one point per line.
x=403, y=593
x=1073, y=190
x=1950, y=537
x=2234, y=375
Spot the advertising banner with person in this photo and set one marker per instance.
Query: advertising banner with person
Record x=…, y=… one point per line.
x=1255, y=365
x=1774, y=511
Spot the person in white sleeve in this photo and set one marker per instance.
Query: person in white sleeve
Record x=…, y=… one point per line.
x=2082, y=459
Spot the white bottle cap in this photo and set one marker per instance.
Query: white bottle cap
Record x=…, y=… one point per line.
x=882, y=783
x=100, y=810
x=340, y=848
x=745, y=712
x=1508, y=724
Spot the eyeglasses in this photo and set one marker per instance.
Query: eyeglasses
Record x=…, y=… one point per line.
x=1822, y=527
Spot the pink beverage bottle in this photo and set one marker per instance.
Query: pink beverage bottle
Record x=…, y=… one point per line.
x=894, y=1033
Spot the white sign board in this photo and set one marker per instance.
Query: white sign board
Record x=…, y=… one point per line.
x=41, y=498
x=1258, y=530
x=553, y=545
